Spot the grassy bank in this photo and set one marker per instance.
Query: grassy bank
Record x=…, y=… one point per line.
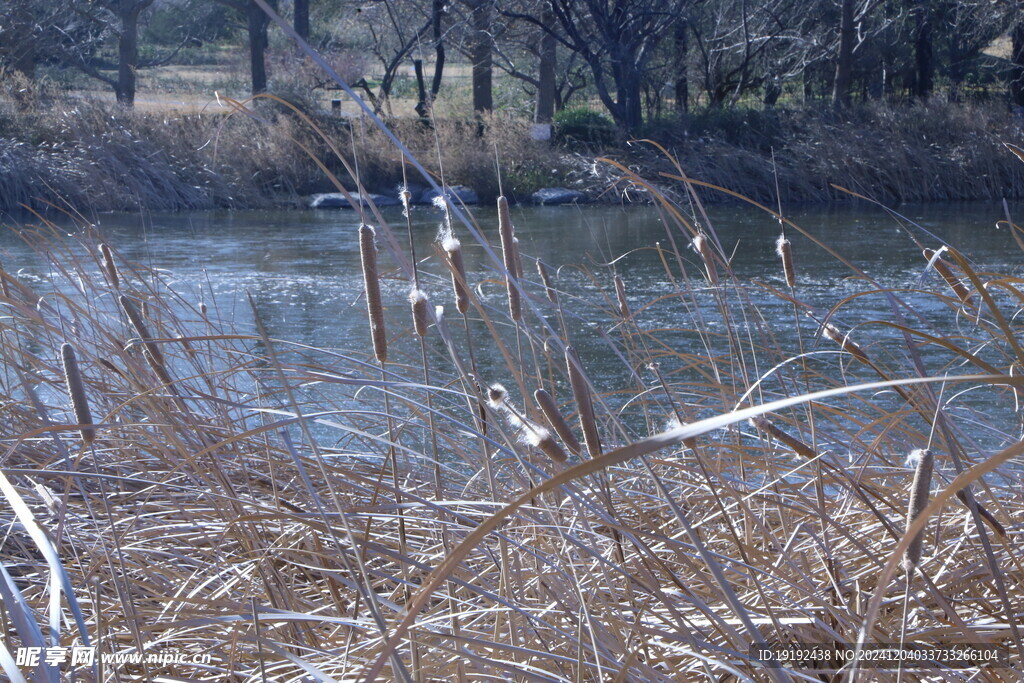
x=98, y=158
x=389, y=512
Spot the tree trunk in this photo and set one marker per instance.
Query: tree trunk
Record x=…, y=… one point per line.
x=682, y=84
x=548, y=62
x=1017, y=70
x=437, y=14
x=301, y=19
x=483, y=98
x=924, y=62
x=257, y=22
x=128, y=50
x=844, y=63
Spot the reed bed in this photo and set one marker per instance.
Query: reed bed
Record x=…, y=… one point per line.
x=480, y=506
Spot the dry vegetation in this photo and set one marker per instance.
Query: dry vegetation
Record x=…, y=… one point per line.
x=342, y=514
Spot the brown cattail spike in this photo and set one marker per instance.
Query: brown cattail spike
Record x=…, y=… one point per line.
x=453, y=248
x=620, y=294
x=785, y=251
x=556, y=420
x=541, y=439
x=109, y=267
x=702, y=245
x=150, y=350
x=942, y=267
x=545, y=279
x=509, y=257
x=76, y=392
x=798, y=446
x=139, y=324
x=368, y=254
x=918, y=501
x=832, y=332
x=420, y=313
x=584, y=404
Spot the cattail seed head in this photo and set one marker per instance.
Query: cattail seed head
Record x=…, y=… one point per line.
x=202, y=308
x=620, y=294
x=833, y=333
x=545, y=279
x=453, y=248
x=109, y=267
x=554, y=417
x=924, y=461
x=420, y=313
x=784, y=249
x=406, y=198
x=584, y=404
x=76, y=392
x=496, y=394
x=702, y=245
x=943, y=268
x=510, y=258
x=374, y=306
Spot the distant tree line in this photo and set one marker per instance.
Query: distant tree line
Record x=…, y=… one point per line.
x=640, y=58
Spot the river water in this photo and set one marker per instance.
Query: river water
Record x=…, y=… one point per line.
x=302, y=267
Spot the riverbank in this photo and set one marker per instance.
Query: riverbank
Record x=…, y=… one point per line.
x=93, y=157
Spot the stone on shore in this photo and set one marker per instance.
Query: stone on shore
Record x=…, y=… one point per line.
x=548, y=196
x=336, y=200
x=459, y=193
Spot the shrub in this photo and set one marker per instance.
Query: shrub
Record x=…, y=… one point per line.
x=584, y=125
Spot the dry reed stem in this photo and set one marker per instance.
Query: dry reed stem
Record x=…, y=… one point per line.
x=4, y=287
x=510, y=258
x=76, y=392
x=943, y=268
x=620, y=294
x=584, y=403
x=453, y=248
x=702, y=245
x=374, y=306
x=556, y=420
x=420, y=315
x=918, y=500
x=109, y=266
x=784, y=249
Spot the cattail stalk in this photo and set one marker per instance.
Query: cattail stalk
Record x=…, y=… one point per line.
x=556, y=420
x=784, y=249
x=76, y=392
x=584, y=404
x=918, y=500
x=368, y=254
x=509, y=255
x=420, y=314
x=942, y=267
x=4, y=288
x=109, y=267
x=703, y=247
x=453, y=247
